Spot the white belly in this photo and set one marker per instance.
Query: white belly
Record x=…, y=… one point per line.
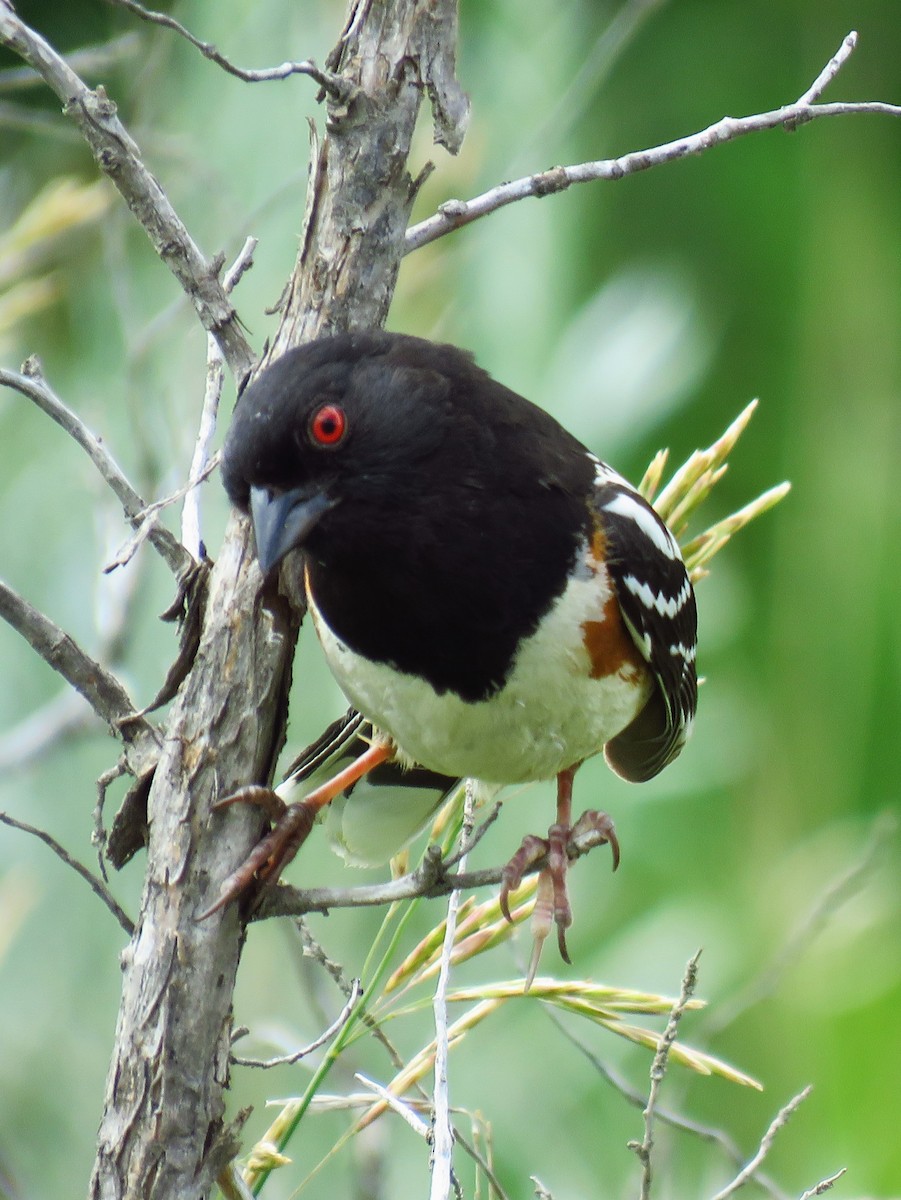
x=550, y=715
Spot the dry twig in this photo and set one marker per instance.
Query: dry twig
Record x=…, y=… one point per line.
x=825, y=1185
x=658, y=1070
x=118, y=156
x=31, y=383
x=97, y=886
x=430, y=879
x=327, y=80
x=766, y=1144
x=454, y=214
x=295, y=1056
x=201, y=463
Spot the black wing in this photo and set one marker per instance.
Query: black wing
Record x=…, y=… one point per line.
x=658, y=606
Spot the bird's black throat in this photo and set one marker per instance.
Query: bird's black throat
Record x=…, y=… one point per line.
x=454, y=610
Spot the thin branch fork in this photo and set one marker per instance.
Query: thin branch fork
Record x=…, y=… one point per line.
x=645, y=1147
x=766, y=1144
x=100, y=688
x=31, y=383
x=97, y=885
x=454, y=214
x=331, y=83
x=118, y=156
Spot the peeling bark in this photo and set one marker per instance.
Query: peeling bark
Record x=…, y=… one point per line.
x=163, y=1132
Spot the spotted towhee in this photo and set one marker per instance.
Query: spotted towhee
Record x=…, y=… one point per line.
x=494, y=599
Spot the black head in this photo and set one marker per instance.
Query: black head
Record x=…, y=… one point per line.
x=339, y=420
x=374, y=426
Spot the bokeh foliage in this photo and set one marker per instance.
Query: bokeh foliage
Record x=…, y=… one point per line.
x=643, y=313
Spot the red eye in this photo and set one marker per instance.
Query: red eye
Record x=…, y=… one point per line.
x=328, y=425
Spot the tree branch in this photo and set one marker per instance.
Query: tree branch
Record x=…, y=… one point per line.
x=90, y=60
x=295, y=1056
x=102, y=690
x=677, y=1120
x=766, y=1144
x=333, y=84
x=96, y=885
x=226, y=726
x=118, y=156
x=825, y=1185
x=658, y=1071
x=430, y=880
x=32, y=384
x=200, y=460
x=454, y=214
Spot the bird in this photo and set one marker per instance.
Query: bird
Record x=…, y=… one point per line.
x=495, y=601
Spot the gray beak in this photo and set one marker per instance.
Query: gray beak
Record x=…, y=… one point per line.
x=282, y=521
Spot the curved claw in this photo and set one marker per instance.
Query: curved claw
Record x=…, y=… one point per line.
x=263, y=797
x=269, y=856
x=530, y=851
x=552, y=900
x=600, y=824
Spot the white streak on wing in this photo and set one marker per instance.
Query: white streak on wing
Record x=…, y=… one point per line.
x=689, y=653
x=627, y=506
x=666, y=606
x=606, y=474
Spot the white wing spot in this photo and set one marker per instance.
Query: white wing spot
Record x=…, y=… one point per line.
x=666, y=606
x=606, y=474
x=630, y=507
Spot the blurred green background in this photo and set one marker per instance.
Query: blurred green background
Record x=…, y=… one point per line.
x=643, y=313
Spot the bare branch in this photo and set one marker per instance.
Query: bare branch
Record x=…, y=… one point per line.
x=102, y=690
x=581, y=90
x=831, y=69
x=326, y=1036
x=824, y=1185
x=146, y=523
x=454, y=214
x=32, y=384
x=190, y=520
x=97, y=885
x=442, y=1170
x=658, y=1071
x=676, y=1120
x=430, y=879
x=413, y=1119
x=118, y=156
x=335, y=85
x=90, y=60
x=475, y=835
x=766, y=1144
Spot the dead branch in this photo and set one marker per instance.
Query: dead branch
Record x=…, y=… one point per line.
x=32, y=384
x=98, y=886
x=118, y=156
x=454, y=214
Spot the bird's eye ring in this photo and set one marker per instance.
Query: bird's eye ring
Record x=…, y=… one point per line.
x=328, y=426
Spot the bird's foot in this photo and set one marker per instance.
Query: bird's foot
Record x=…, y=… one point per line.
x=291, y=825
x=552, y=906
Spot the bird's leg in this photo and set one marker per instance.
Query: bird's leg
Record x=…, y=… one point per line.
x=291, y=825
x=552, y=900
